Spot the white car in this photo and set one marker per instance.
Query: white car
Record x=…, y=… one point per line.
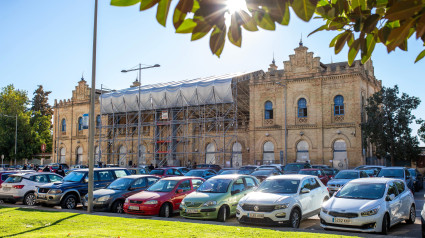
x=21, y=187
x=369, y=205
x=283, y=199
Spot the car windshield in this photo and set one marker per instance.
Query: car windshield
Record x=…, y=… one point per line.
x=229, y=172
x=120, y=184
x=244, y=171
x=391, y=173
x=157, y=172
x=279, y=186
x=215, y=186
x=412, y=172
x=362, y=191
x=293, y=167
x=261, y=172
x=248, y=167
x=347, y=175
x=163, y=186
x=196, y=173
x=309, y=172
x=74, y=176
x=13, y=179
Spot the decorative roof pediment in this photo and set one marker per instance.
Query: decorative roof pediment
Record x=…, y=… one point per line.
x=81, y=92
x=302, y=62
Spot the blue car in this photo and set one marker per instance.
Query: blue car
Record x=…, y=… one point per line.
x=202, y=173
x=343, y=177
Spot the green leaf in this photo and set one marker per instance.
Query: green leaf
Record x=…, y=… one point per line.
x=180, y=12
x=235, y=33
x=340, y=42
x=398, y=35
x=264, y=21
x=201, y=29
x=304, y=8
x=368, y=48
x=403, y=10
x=332, y=44
x=162, y=12
x=324, y=27
x=146, y=4
x=187, y=26
x=420, y=27
x=278, y=11
x=124, y=3
x=370, y=23
x=420, y=56
x=217, y=39
x=353, y=51
x=248, y=22
x=358, y=3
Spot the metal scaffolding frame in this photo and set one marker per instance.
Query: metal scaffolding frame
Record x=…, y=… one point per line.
x=174, y=136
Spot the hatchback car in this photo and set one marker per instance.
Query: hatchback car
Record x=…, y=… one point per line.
x=400, y=173
x=112, y=197
x=294, y=168
x=316, y=172
x=217, y=197
x=162, y=198
x=343, y=177
x=283, y=199
x=202, y=173
x=369, y=205
x=4, y=174
x=165, y=172
x=21, y=187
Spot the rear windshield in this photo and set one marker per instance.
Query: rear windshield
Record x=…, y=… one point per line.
x=391, y=173
x=4, y=176
x=293, y=167
x=13, y=179
x=347, y=175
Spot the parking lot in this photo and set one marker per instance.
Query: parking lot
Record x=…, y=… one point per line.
x=310, y=225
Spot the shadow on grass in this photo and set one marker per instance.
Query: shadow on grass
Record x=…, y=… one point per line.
x=40, y=228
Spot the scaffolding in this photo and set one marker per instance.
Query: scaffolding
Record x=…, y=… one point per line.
x=176, y=123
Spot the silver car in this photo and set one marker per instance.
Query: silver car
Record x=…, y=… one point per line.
x=343, y=177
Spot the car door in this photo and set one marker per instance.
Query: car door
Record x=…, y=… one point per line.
x=394, y=205
x=404, y=199
x=105, y=177
x=237, y=192
x=305, y=198
x=38, y=180
x=250, y=184
x=138, y=185
x=316, y=193
x=183, y=189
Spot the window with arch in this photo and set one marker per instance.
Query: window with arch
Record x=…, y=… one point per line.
x=268, y=110
x=236, y=155
x=302, y=151
x=339, y=105
x=210, y=154
x=268, y=152
x=98, y=121
x=63, y=125
x=302, y=107
x=63, y=155
x=80, y=123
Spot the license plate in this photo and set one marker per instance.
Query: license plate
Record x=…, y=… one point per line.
x=6, y=189
x=255, y=215
x=192, y=211
x=341, y=220
x=134, y=208
x=41, y=195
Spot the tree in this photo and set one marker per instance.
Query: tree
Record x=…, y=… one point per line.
x=421, y=131
x=387, y=125
x=40, y=102
x=41, y=120
x=362, y=23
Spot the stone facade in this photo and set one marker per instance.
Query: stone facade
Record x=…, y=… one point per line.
x=323, y=104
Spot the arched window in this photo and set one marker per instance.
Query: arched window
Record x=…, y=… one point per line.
x=62, y=155
x=63, y=125
x=302, y=151
x=302, y=107
x=268, y=110
x=268, y=153
x=98, y=121
x=79, y=159
x=237, y=155
x=80, y=123
x=339, y=105
x=210, y=154
x=123, y=156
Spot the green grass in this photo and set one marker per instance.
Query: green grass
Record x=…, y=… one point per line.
x=18, y=222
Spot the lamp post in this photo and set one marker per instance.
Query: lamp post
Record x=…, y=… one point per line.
x=140, y=69
x=2, y=164
x=285, y=124
x=16, y=132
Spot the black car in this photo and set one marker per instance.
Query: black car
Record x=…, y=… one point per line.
x=262, y=174
x=74, y=186
x=112, y=197
x=248, y=169
x=400, y=173
x=418, y=179
x=294, y=168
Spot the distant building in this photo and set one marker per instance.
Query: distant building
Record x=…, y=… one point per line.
x=231, y=120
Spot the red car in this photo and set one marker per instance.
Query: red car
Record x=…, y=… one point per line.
x=317, y=172
x=162, y=198
x=166, y=172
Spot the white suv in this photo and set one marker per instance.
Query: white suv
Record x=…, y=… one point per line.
x=21, y=187
x=283, y=199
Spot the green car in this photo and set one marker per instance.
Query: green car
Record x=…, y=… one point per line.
x=217, y=197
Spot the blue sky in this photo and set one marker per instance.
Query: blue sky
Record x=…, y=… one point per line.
x=49, y=42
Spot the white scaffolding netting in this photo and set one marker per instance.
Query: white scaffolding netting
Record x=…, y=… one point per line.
x=194, y=92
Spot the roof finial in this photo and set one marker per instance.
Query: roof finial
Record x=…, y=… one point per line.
x=301, y=40
x=82, y=76
x=273, y=59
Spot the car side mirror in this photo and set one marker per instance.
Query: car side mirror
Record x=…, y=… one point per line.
x=235, y=192
x=408, y=177
x=179, y=191
x=390, y=197
x=305, y=190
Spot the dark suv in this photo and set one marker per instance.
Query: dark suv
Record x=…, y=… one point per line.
x=70, y=192
x=294, y=168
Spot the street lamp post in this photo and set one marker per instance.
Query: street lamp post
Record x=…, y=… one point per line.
x=285, y=123
x=16, y=133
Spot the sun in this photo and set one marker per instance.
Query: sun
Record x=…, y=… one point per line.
x=235, y=5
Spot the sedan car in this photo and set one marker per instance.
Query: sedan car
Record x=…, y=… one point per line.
x=283, y=199
x=294, y=168
x=343, y=177
x=400, y=173
x=369, y=205
x=165, y=172
x=202, y=173
x=112, y=197
x=138, y=170
x=331, y=172
x=418, y=179
x=217, y=197
x=262, y=174
x=248, y=169
x=316, y=172
x=162, y=198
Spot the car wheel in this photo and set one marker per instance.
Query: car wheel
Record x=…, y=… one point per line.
x=412, y=215
x=69, y=202
x=29, y=199
x=295, y=218
x=118, y=207
x=165, y=210
x=222, y=214
x=385, y=225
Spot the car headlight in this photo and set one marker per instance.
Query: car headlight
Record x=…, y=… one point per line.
x=55, y=191
x=324, y=210
x=182, y=203
x=152, y=202
x=209, y=203
x=370, y=212
x=103, y=198
x=241, y=204
x=126, y=200
x=281, y=206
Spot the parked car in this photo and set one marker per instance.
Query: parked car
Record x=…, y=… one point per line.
x=165, y=172
x=283, y=199
x=423, y=221
x=4, y=166
x=375, y=168
x=112, y=197
x=55, y=166
x=228, y=171
x=369, y=205
x=262, y=174
x=294, y=168
x=74, y=186
x=418, y=179
x=400, y=173
x=370, y=172
x=201, y=173
x=138, y=170
x=271, y=166
x=343, y=177
x=162, y=198
x=316, y=172
x=20, y=187
x=320, y=166
x=209, y=166
x=4, y=174
x=331, y=172
x=248, y=169
x=217, y=197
